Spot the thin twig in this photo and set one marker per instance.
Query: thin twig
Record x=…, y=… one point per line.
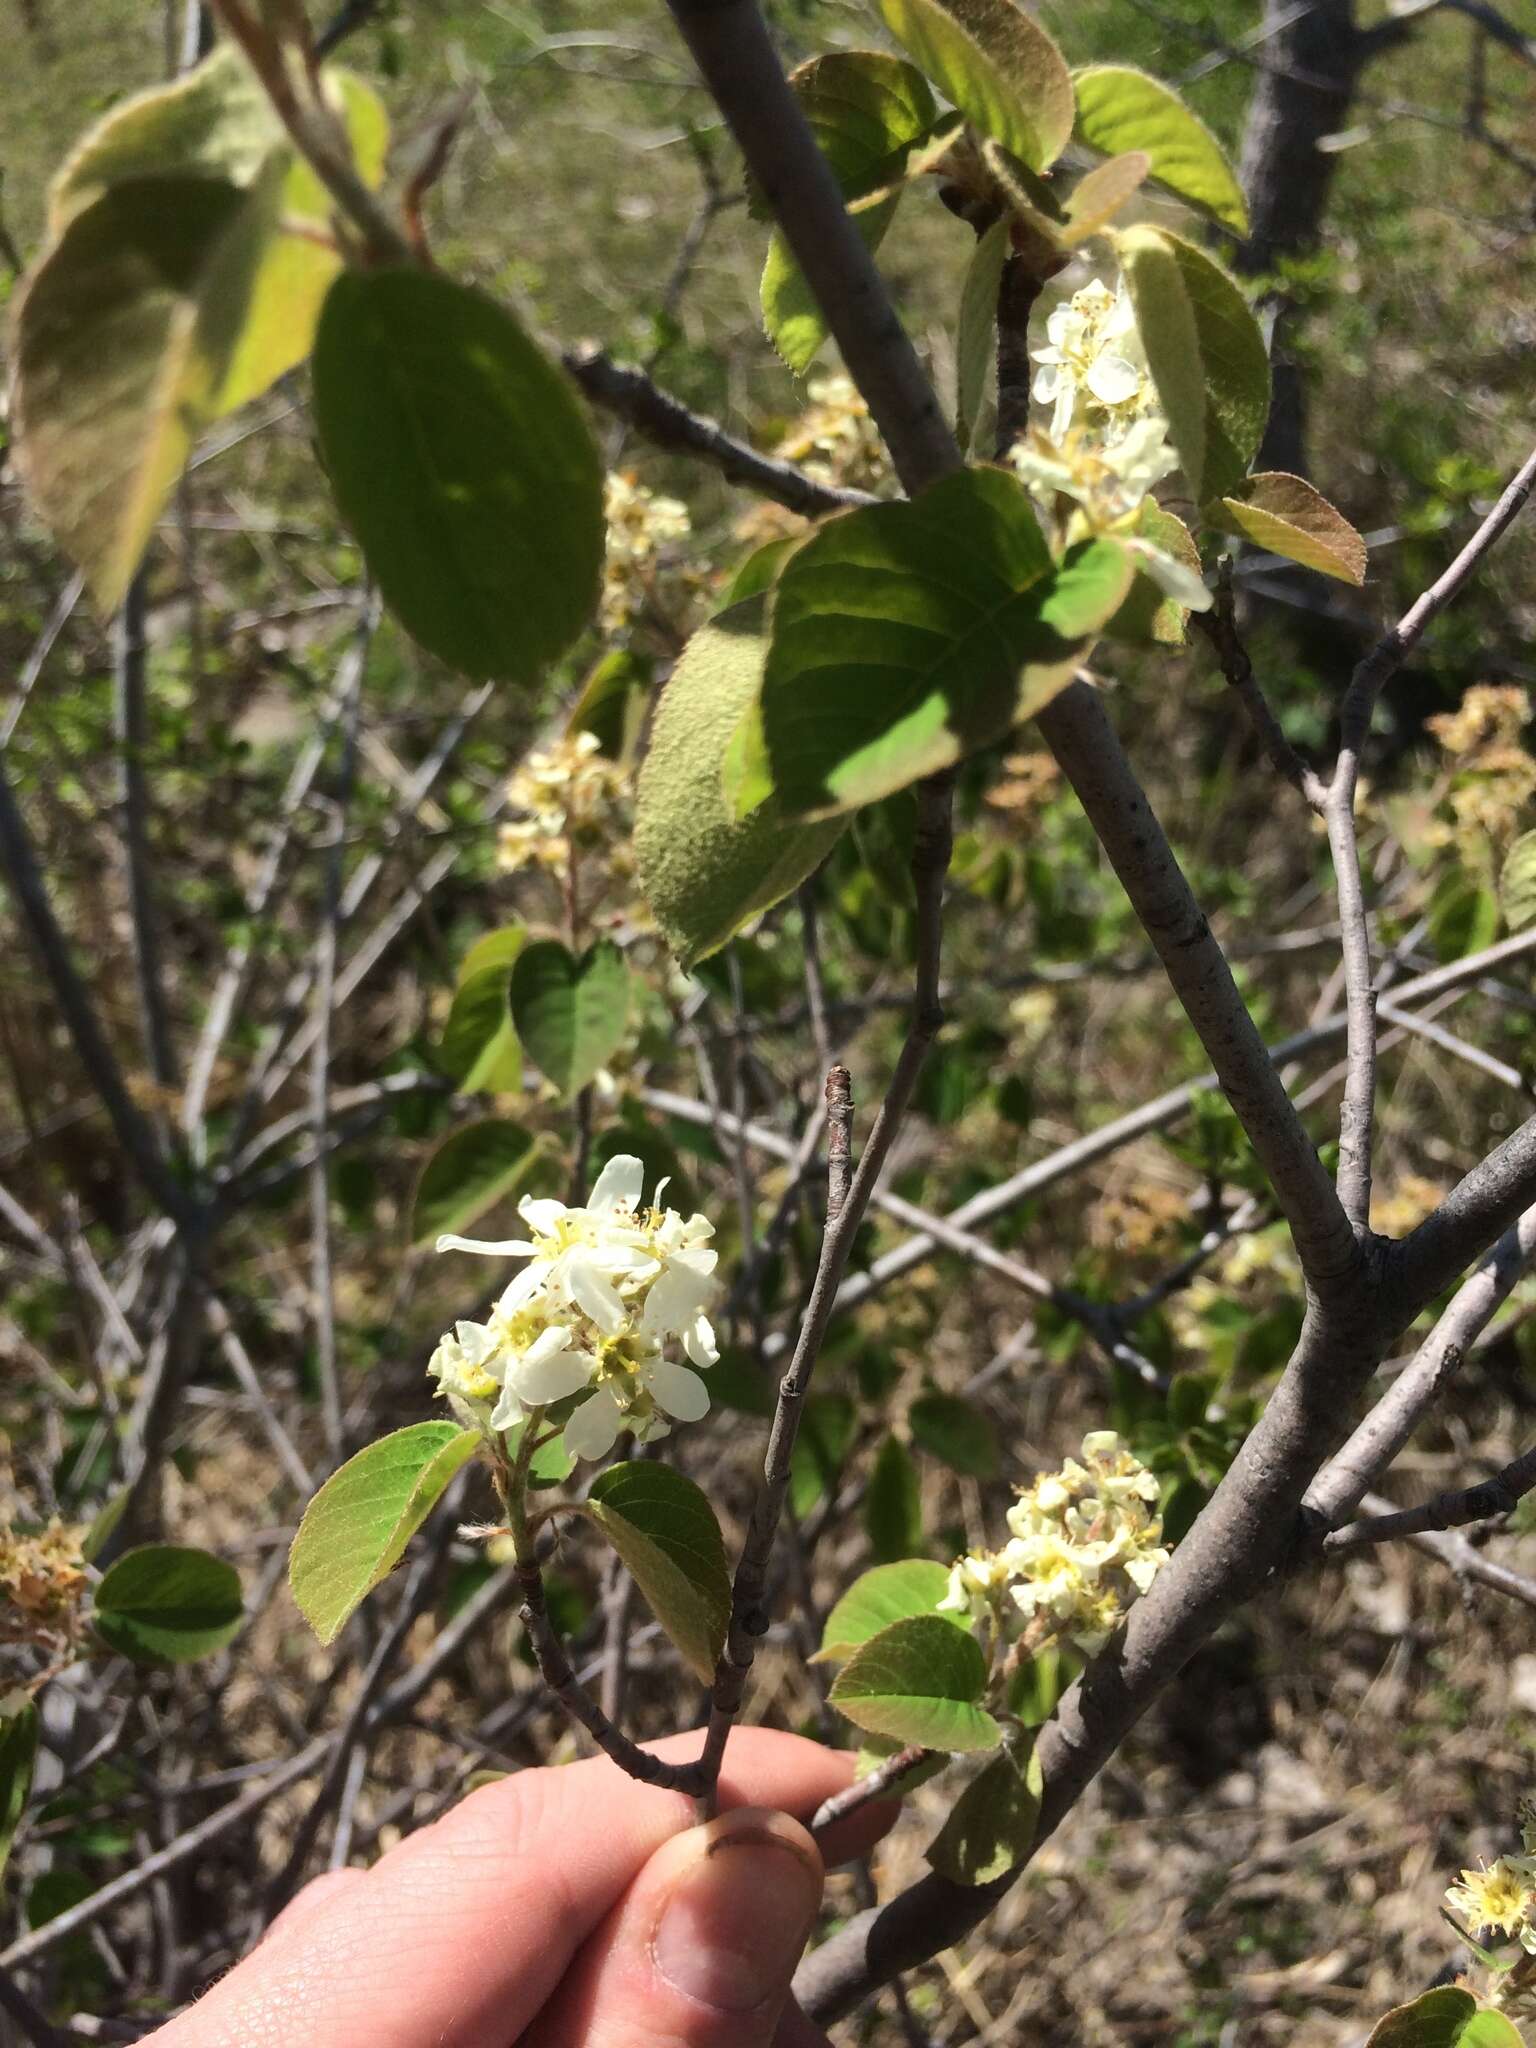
x=876, y=1784
x=1500, y=1495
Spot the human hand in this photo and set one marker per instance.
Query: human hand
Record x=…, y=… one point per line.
x=562, y=1908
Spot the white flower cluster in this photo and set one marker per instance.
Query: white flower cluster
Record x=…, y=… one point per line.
x=641, y=530
x=607, y=1287
x=563, y=794
x=1085, y=1543
x=1107, y=444
x=1502, y=1895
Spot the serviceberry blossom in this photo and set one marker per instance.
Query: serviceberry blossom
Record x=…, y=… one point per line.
x=608, y=1287
x=1502, y=1895
x=1093, y=362
x=1085, y=1543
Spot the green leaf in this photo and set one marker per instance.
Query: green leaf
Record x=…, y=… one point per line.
x=1096, y=199
x=479, y=1048
x=1149, y=617
x=1517, y=883
x=122, y=340
x=909, y=634
x=1490, y=2030
x=18, y=1754
x=866, y=109
x=355, y=1530
x=463, y=463
x=956, y=1432
x=999, y=67
x=1284, y=514
x=550, y=1465
x=919, y=1681
x=976, y=337
x=472, y=1170
x=168, y=1604
x=613, y=702
x=1206, y=353
x=570, y=1013
x=893, y=1514
x=889, y=1593
x=1121, y=109
x=665, y=1531
x=1437, y=2019
x=759, y=572
x=991, y=1826
x=703, y=872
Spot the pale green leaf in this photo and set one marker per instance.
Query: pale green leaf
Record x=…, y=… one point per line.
x=168, y=1604
x=463, y=463
x=356, y=1528
x=1288, y=517
x=479, y=1048
x=703, y=872
x=919, y=1681
x=18, y=1755
x=1149, y=617
x=1436, y=2019
x=1122, y=109
x=792, y=315
x=999, y=67
x=976, y=336
x=889, y=1593
x=907, y=635
x=122, y=341
x=991, y=1826
x=1095, y=199
x=570, y=1013
x=665, y=1530
x=1206, y=354
x=1517, y=883
x=472, y=1170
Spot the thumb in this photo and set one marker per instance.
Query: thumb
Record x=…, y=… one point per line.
x=700, y=1951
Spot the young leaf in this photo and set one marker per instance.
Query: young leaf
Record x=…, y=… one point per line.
x=907, y=635
x=866, y=109
x=919, y=1681
x=474, y=1168
x=1287, y=516
x=1121, y=109
x=665, y=1531
x=893, y=1515
x=570, y=1013
x=889, y=1593
x=355, y=1530
x=1097, y=198
x=479, y=1048
x=703, y=872
x=1206, y=354
x=1437, y=2019
x=122, y=340
x=976, y=337
x=18, y=1755
x=999, y=67
x=168, y=1604
x=991, y=1826
x=1517, y=883
x=956, y=1432
x=1149, y=617
x=463, y=463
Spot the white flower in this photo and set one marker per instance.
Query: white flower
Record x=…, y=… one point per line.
x=609, y=1284
x=1108, y=479
x=1094, y=357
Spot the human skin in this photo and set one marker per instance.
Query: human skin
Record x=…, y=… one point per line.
x=560, y=1908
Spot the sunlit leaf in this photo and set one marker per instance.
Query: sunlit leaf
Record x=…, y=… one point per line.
x=1095, y=199
x=1121, y=109
x=999, y=67
x=919, y=1681
x=876, y=1599
x=1288, y=517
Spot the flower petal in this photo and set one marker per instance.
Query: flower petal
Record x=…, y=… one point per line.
x=1112, y=380
x=583, y=1280
x=508, y=1412
x=699, y=1341
x=620, y=1184
x=591, y=1431
x=677, y=1390
x=548, y=1373
x=509, y=1248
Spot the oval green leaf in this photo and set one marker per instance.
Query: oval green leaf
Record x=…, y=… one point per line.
x=1122, y=109
x=18, y=1756
x=355, y=1530
x=570, y=1013
x=919, y=1681
x=955, y=1432
x=991, y=1826
x=890, y=1593
x=1095, y=199
x=1206, y=353
x=893, y=1507
x=703, y=872
x=907, y=635
x=1286, y=515
x=463, y=463
x=665, y=1530
x=479, y=1048
x=168, y=1604
x=1437, y=2019
x=999, y=67
x=471, y=1171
